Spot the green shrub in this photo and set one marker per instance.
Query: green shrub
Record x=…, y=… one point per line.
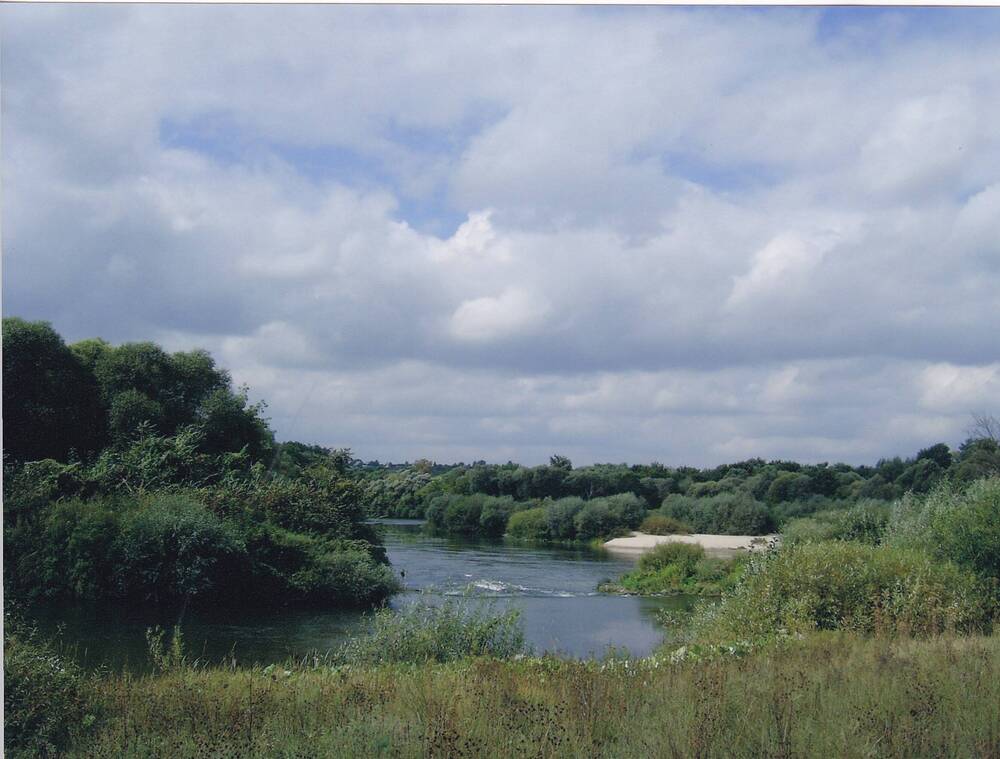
x=685, y=555
x=292, y=567
x=865, y=522
x=960, y=524
x=560, y=515
x=494, y=514
x=845, y=585
x=173, y=547
x=677, y=567
x=734, y=513
x=79, y=548
x=595, y=520
x=46, y=697
x=657, y=524
x=424, y=632
x=530, y=524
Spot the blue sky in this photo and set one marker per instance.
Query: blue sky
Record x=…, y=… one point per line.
x=674, y=234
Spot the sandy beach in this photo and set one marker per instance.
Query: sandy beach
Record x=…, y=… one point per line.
x=719, y=545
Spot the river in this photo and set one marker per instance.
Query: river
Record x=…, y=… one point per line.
x=554, y=587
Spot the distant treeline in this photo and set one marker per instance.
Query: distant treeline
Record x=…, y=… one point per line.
x=749, y=497
x=133, y=473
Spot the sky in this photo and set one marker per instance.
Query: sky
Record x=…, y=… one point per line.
x=636, y=234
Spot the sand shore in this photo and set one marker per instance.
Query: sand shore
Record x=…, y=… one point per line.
x=719, y=545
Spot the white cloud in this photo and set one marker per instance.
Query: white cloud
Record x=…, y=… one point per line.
x=512, y=312
x=679, y=233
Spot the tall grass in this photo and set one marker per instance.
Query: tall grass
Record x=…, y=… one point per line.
x=832, y=694
x=424, y=633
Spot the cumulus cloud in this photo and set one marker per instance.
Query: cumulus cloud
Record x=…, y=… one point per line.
x=649, y=233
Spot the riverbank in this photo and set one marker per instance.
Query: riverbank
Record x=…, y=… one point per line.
x=826, y=695
x=721, y=546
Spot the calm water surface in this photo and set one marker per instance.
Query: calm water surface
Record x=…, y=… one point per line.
x=554, y=587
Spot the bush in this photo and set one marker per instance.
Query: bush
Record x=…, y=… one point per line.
x=530, y=524
x=173, y=547
x=685, y=555
x=595, y=520
x=724, y=514
x=657, y=524
x=291, y=567
x=46, y=697
x=848, y=586
x=560, y=515
x=955, y=523
x=865, y=523
x=494, y=514
x=423, y=633
x=680, y=568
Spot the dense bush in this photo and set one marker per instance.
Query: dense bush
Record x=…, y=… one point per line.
x=560, y=517
x=961, y=524
x=727, y=513
x=683, y=555
x=172, y=547
x=849, y=586
x=678, y=567
x=530, y=524
x=657, y=524
x=865, y=522
x=423, y=632
x=47, y=699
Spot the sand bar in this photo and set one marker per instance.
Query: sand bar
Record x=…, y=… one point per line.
x=639, y=542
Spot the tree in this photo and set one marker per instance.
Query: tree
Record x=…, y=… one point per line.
x=560, y=462
x=985, y=427
x=51, y=403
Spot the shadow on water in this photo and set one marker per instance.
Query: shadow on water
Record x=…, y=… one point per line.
x=554, y=588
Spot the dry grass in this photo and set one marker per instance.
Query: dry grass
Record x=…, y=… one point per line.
x=830, y=695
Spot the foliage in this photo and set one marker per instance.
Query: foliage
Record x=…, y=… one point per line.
x=47, y=699
x=684, y=555
x=844, y=586
x=677, y=567
x=51, y=403
x=172, y=547
x=657, y=524
x=960, y=524
x=603, y=517
x=865, y=522
x=734, y=513
x=832, y=695
x=530, y=524
x=425, y=632
x=62, y=402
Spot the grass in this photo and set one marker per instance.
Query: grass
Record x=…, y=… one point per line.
x=678, y=568
x=828, y=694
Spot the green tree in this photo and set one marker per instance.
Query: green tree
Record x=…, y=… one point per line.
x=51, y=403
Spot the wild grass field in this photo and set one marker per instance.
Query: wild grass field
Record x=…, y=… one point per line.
x=828, y=695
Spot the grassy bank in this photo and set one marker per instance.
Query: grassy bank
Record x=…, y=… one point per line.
x=830, y=694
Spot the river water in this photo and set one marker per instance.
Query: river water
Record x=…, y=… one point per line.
x=554, y=587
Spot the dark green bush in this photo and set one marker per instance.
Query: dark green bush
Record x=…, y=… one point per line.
x=493, y=515
x=657, y=524
x=172, y=547
x=595, y=520
x=46, y=700
x=560, y=517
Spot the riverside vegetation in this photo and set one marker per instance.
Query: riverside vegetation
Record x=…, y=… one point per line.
x=138, y=474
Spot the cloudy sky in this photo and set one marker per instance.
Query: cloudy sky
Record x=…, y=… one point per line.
x=619, y=234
